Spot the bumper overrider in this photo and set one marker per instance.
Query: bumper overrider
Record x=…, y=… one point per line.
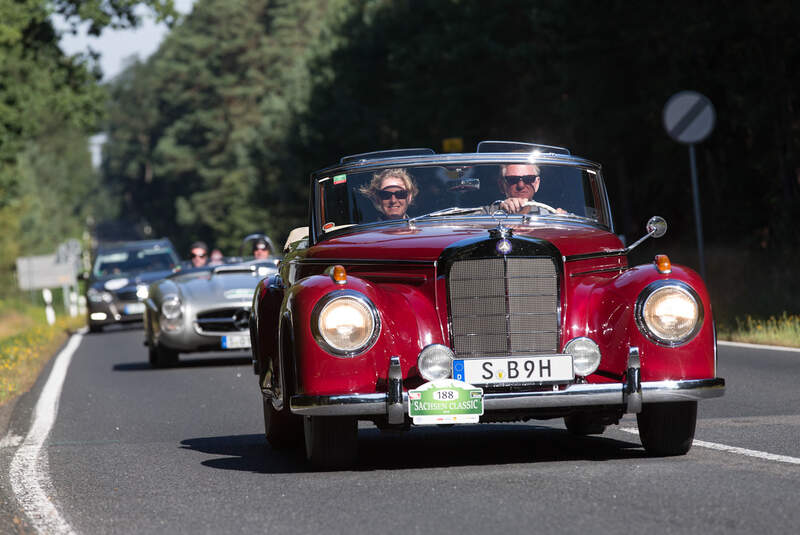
x=629, y=395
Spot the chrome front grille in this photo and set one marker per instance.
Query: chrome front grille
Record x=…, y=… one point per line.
x=504, y=306
x=224, y=320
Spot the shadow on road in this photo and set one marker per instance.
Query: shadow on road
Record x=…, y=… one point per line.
x=184, y=363
x=425, y=448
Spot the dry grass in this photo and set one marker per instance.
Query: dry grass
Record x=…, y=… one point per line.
x=26, y=344
x=783, y=330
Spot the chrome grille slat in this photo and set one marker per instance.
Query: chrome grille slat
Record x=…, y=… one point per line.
x=221, y=320
x=504, y=306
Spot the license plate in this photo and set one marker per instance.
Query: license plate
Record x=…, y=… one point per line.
x=236, y=341
x=134, y=308
x=514, y=370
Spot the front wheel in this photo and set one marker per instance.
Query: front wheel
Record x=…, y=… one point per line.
x=331, y=441
x=162, y=357
x=667, y=429
x=282, y=428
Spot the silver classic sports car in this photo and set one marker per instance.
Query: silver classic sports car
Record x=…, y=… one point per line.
x=202, y=309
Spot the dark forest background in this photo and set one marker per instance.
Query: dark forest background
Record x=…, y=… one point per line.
x=215, y=135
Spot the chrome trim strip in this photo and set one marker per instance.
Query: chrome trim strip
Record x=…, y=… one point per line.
x=359, y=262
x=587, y=256
x=605, y=270
x=576, y=395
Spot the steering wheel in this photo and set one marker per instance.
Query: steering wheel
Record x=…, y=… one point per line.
x=541, y=205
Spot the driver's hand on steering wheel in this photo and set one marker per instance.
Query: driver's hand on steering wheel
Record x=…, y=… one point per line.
x=513, y=205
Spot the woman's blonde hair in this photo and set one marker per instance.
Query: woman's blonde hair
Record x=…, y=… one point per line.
x=371, y=190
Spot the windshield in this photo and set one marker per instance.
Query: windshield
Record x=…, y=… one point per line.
x=130, y=262
x=463, y=191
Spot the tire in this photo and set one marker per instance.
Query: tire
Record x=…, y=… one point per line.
x=583, y=424
x=667, y=429
x=94, y=328
x=162, y=357
x=331, y=441
x=282, y=429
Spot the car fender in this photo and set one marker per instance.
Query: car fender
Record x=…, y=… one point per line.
x=608, y=317
x=408, y=322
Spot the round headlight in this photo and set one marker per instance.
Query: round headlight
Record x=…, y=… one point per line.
x=171, y=307
x=585, y=355
x=435, y=362
x=94, y=295
x=669, y=313
x=142, y=292
x=345, y=323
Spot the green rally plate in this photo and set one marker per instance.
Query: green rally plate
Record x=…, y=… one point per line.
x=445, y=401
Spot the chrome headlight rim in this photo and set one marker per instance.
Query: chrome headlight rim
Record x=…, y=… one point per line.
x=172, y=298
x=337, y=295
x=585, y=372
x=427, y=350
x=645, y=296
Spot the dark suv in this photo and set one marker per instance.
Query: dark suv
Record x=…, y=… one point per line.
x=121, y=273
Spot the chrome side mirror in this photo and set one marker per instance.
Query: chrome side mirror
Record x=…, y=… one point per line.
x=656, y=227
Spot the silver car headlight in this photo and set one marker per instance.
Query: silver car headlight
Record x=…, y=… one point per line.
x=669, y=312
x=142, y=292
x=97, y=296
x=171, y=307
x=345, y=323
x=435, y=362
x=585, y=355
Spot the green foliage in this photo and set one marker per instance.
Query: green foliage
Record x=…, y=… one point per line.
x=49, y=104
x=214, y=136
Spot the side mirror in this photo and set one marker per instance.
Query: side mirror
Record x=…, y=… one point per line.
x=656, y=227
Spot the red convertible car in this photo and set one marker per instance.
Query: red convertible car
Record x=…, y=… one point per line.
x=439, y=289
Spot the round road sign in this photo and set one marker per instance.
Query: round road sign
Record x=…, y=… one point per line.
x=689, y=117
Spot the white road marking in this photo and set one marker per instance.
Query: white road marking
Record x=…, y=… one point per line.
x=758, y=346
x=28, y=471
x=733, y=449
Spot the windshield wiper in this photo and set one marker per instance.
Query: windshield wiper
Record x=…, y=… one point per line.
x=453, y=210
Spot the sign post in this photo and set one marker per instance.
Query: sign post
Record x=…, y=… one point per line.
x=689, y=119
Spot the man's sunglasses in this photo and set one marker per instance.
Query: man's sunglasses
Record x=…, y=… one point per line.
x=201, y=255
x=528, y=179
x=385, y=195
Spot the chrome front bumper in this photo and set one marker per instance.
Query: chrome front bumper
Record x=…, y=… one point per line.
x=577, y=395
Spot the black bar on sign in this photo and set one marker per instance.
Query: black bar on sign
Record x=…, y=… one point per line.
x=696, y=109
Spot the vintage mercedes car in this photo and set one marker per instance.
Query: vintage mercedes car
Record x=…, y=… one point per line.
x=120, y=275
x=437, y=289
x=202, y=309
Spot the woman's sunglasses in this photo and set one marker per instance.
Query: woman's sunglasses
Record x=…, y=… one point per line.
x=385, y=195
x=528, y=179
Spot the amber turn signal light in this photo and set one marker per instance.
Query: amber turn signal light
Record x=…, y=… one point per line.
x=663, y=264
x=339, y=275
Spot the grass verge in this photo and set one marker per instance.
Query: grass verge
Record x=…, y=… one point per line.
x=783, y=330
x=24, y=353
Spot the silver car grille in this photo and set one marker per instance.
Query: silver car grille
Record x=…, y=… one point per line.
x=504, y=306
x=224, y=320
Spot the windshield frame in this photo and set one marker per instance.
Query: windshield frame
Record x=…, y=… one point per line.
x=316, y=234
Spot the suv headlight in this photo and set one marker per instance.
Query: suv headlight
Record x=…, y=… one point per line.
x=669, y=312
x=171, y=307
x=345, y=323
x=96, y=296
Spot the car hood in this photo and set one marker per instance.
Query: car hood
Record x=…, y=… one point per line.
x=427, y=240
x=219, y=288
x=117, y=284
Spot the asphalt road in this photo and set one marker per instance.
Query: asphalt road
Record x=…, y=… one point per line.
x=136, y=450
